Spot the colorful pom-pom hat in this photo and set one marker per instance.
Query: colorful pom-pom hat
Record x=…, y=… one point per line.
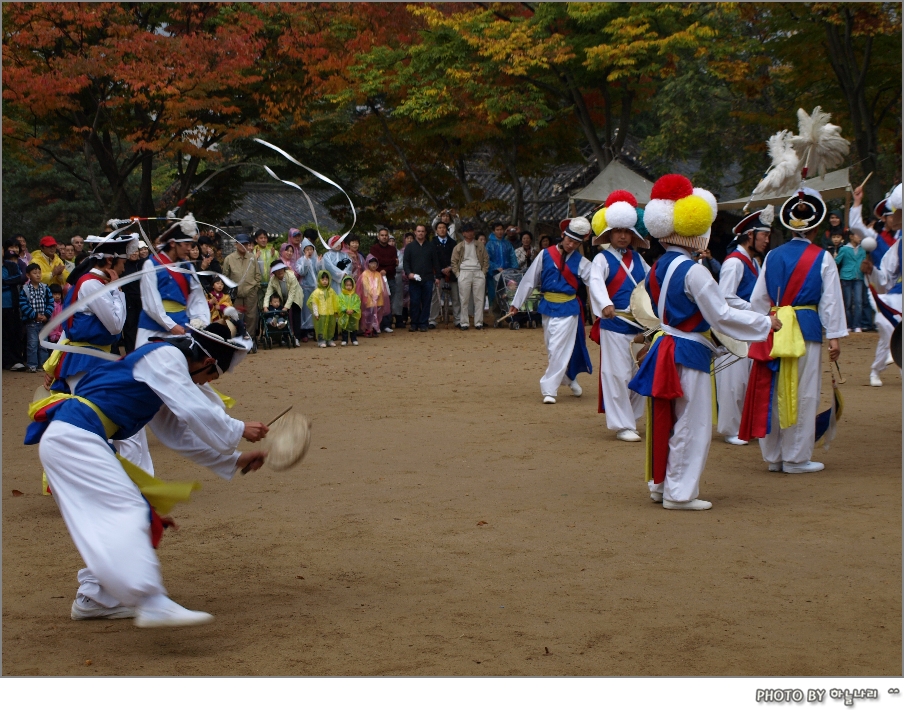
x=575, y=228
x=679, y=213
x=619, y=212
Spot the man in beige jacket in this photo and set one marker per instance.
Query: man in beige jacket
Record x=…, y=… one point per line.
x=470, y=263
x=242, y=267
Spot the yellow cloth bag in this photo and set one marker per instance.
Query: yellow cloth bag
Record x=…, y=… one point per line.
x=788, y=346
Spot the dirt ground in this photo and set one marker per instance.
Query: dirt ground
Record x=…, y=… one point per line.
x=502, y=537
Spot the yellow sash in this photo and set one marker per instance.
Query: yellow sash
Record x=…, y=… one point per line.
x=173, y=306
x=50, y=364
x=558, y=297
x=162, y=495
x=788, y=345
x=227, y=400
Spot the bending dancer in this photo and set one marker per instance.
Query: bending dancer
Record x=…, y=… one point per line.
x=736, y=281
x=162, y=384
x=614, y=274
x=799, y=283
x=676, y=372
x=556, y=271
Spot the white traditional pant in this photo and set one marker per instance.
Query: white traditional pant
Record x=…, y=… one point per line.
x=472, y=286
x=623, y=406
x=883, y=348
x=691, y=436
x=107, y=517
x=731, y=388
x=795, y=444
x=559, y=334
x=450, y=296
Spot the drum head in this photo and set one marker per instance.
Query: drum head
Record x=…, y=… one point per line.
x=288, y=441
x=736, y=347
x=896, y=345
x=642, y=307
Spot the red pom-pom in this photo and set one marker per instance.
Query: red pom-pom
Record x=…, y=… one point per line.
x=671, y=187
x=621, y=196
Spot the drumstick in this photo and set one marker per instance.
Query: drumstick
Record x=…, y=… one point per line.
x=841, y=379
x=270, y=423
x=865, y=179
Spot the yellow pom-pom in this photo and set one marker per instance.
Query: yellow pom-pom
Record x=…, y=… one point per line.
x=693, y=216
x=598, y=223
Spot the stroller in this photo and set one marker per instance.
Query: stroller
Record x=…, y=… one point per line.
x=275, y=327
x=507, y=282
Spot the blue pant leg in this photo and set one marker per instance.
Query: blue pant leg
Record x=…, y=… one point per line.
x=846, y=293
x=31, y=344
x=857, y=304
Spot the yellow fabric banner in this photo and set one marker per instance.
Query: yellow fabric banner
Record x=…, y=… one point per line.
x=788, y=346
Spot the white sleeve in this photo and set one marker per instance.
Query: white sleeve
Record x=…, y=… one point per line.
x=702, y=288
x=885, y=273
x=831, y=302
x=729, y=280
x=164, y=370
x=599, y=294
x=197, y=307
x=855, y=220
x=759, y=299
x=151, y=303
x=584, y=271
x=529, y=281
x=110, y=309
x=174, y=434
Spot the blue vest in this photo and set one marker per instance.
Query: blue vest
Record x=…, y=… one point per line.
x=781, y=262
x=678, y=309
x=114, y=390
x=552, y=281
x=86, y=328
x=881, y=248
x=748, y=280
x=169, y=291
x=621, y=299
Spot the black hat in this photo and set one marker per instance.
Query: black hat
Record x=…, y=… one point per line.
x=205, y=240
x=803, y=211
x=759, y=221
x=468, y=227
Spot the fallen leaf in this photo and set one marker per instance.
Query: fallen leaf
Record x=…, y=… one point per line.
x=88, y=663
x=16, y=493
x=482, y=522
x=298, y=576
x=547, y=650
x=322, y=447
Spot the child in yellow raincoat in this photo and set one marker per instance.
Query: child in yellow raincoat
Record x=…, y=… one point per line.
x=324, y=304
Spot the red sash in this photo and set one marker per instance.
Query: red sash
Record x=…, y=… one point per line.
x=746, y=259
x=688, y=325
x=612, y=285
x=758, y=399
x=887, y=237
x=562, y=266
x=78, y=285
x=179, y=278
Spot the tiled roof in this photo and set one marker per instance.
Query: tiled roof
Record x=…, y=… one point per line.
x=276, y=208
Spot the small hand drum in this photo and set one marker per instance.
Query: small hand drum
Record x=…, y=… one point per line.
x=738, y=348
x=287, y=441
x=642, y=308
x=896, y=345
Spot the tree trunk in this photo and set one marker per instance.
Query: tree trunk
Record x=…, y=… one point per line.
x=395, y=146
x=586, y=122
x=146, y=208
x=508, y=160
x=462, y=176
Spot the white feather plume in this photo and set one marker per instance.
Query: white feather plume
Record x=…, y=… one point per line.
x=231, y=313
x=784, y=175
x=819, y=144
x=767, y=215
x=188, y=225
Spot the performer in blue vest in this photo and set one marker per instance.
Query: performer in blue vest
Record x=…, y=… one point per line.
x=163, y=385
x=799, y=283
x=675, y=375
x=171, y=299
x=614, y=274
x=885, y=284
x=98, y=324
x=736, y=281
x=556, y=272
x=884, y=211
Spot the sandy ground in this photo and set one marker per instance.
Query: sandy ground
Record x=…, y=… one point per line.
x=501, y=537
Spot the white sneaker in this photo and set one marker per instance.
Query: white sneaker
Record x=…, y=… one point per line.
x=576, y=389
x=695, y=504
x=889, y=360
x=321, y=344
x=18, y=366
x=387, y=330
x=858, y=330
x=874, y=380
x=354, y=342
x=464, y=327
x=297, y=343
x=629, y=435
x=32, y=369
x=166, y=612
x=775, y=467
x=549, y=400
x=343, y=343
x=85, y=608
x=656, y=497
x=735, y=441
x=806, y=467
x=332, y=343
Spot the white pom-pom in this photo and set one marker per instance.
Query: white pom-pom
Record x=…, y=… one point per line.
x=659, y=218
x=197, y=323
x=621, y=215
x=894, y=199
x=188, y=225
x=767, y=216
x=580, y=226
x=231, y=313
x=710, y=199
x=869, y=244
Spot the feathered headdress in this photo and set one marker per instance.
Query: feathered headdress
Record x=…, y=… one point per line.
x=785, y=169
x=819, y=144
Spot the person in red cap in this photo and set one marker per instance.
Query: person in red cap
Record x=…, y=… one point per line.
x=53, y=270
